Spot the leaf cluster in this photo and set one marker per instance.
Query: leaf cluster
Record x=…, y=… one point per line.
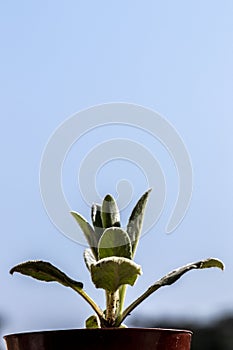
x=109, y=260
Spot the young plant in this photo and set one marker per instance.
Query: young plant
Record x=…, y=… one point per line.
x=109, y=260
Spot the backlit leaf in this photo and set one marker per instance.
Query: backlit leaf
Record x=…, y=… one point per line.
x=88, y=231
x=111, y=273
x=110, y=213
x=114, y=242
x=97, y=219
x=134, y=226
x=44, y=271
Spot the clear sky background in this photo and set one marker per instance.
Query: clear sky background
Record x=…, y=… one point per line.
x=59, y=57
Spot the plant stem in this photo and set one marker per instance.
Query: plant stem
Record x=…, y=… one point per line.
x=112, y=307
x=122, y=295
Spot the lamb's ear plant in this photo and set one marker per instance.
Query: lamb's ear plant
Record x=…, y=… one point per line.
x=109, y=260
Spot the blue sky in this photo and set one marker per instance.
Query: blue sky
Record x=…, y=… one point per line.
x=59, y=57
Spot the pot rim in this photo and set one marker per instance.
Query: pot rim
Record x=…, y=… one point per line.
x=130, y=329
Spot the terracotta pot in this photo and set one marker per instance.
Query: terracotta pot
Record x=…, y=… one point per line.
x=100, y=339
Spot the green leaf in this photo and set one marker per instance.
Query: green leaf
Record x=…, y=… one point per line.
x=110, y=213
x=114, y=242
x=212, y=262
x=89, y=258
x=171, y=278
x=134, y=226
x=88, y=231
x=93, y=322
x=111, y=273
x=44, y=271
x=97, y=219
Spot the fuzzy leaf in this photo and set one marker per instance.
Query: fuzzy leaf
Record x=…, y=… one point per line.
x=134, y=226
x=111, y=273
x=92, y=322
x=114, y=242
x=211, y=262
x=44, y=271
x=110, y=213
x=88, y=231
x=89, y=258
x=173, y=276
x=96, y=219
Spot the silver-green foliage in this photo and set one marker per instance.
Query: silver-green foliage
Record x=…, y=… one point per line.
x=110, y=262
